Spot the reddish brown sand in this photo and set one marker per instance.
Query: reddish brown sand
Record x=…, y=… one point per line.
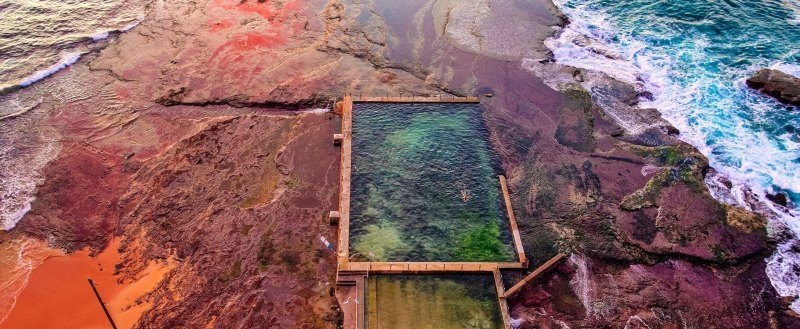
x=17, y=257
x=58, y=294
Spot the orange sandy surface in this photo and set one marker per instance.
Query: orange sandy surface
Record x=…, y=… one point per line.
x=58, y=294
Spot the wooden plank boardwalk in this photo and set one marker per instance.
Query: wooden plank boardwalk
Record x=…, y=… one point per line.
x=501, y=299
x=513, y=222
x=427, y=267
x=535, y=274
x=415, y=99
x=352, y=277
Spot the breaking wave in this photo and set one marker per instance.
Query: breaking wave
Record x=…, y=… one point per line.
x=693, y=58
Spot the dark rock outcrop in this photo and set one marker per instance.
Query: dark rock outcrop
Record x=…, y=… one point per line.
x=782, y=86
x=778, y=198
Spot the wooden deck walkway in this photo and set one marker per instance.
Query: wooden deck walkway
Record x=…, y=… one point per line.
x=535, y=274
x=415, y=99
x=513, y=222
x=427, y=267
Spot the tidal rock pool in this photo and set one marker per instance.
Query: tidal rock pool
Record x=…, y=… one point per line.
x=433, y=301
x=425, y=185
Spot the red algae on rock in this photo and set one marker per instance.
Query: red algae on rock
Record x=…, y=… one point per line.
x=220, y=25
x=235, y=49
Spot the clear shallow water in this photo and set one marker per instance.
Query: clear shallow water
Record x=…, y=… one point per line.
x=413, y=165
x=694, y=57
x=38, y=38
x=443, y=301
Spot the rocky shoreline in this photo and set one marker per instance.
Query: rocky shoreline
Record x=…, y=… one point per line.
x=185, y=137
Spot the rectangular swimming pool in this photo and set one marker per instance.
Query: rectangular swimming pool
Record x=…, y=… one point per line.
x=424, y=185
x=433, y=302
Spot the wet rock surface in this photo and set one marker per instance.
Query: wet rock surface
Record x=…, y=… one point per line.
x=182, y=137
x=781, y=86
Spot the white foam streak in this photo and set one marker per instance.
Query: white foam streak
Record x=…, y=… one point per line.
x=19, y=179
x=781, y=269
x=100, y=36
x=66, y=60
x=130, y=26
x=317, y=111
x=794, y=6
x=70, y=58
x=16, y=216
x=16, y=276
x=591, y=57
x=787, y=68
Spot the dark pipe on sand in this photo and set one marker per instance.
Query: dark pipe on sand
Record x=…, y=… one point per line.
x=99, y=299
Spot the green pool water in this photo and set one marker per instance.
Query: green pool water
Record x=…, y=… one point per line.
x=412, y=165
x=433, y=302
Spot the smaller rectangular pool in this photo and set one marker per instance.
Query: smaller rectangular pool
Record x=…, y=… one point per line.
x=433, y=302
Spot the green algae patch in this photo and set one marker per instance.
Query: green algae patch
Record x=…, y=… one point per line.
x=433, y=302
x=480, y=244
x=380, y=241
x=424, y=185
x=682, y=165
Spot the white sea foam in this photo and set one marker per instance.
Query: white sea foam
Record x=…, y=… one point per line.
x=787, y=68
x=747, y=157
x=794, y=6
x=66, y=60
x=317, y=111
x=782, y=268
x=21, y=175
x=100, y=36
x=15, y=275
x=71, y=57
x=130, y=26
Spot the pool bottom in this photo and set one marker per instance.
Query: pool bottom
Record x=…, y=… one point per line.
x=424, y=186
x=433, y=302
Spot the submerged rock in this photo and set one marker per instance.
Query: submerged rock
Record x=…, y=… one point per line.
x=781, y=86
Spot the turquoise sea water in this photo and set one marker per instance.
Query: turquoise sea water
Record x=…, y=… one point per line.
x=694, y=57
x=425, y=186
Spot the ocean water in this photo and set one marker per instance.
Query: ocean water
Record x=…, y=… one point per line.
x=694, y=57
x=38, y=38
x=425, y=185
